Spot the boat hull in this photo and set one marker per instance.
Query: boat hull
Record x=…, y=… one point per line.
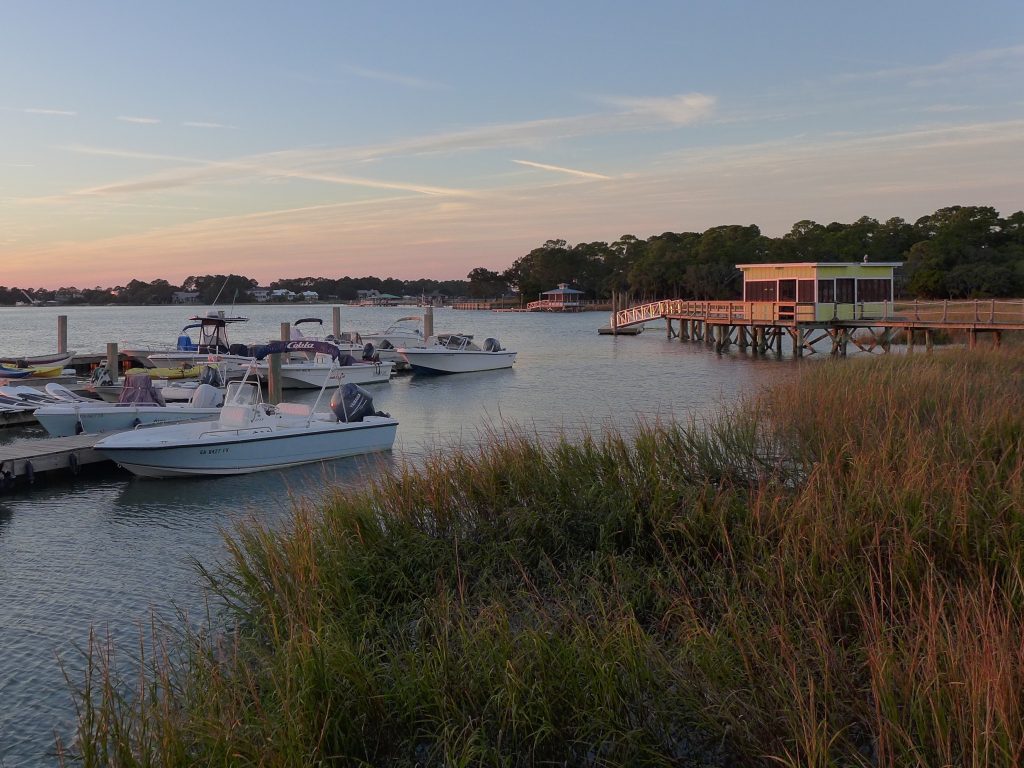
x=199, y=449
x=439, y=360
x=65, y=420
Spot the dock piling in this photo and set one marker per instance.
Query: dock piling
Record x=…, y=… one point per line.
x=62, y=333
x=113, y=367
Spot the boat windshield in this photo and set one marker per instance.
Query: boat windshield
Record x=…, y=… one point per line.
x=457, y=342
x=242, y=393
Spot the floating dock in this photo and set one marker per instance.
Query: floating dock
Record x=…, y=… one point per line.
x=29, y=459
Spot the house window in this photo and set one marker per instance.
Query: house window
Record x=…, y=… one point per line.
x=826, y=291
x=846, y=290
x=805, y=291
x=787, y=290
x=759, y=290
x=874, y=290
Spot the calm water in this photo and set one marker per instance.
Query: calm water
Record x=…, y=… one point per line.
x=108, y=550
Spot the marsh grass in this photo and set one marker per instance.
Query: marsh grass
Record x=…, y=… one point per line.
x=829, y=575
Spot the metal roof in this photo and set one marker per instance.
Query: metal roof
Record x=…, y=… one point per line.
x=782, y=264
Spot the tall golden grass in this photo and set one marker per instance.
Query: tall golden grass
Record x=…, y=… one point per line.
x=829, y=575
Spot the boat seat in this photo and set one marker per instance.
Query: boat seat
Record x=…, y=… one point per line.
x=293, y=409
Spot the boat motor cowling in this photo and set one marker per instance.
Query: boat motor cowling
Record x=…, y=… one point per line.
x=492, y=345
x=207, y=396
x=369, y=353
x=351, y=402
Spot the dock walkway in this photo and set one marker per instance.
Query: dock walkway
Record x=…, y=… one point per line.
x=28, y=459
x=762, y=325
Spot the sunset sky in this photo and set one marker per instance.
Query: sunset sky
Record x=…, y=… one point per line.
x=423, y=139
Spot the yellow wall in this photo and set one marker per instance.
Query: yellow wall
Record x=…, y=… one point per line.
x=871, y=309
x=787, y=272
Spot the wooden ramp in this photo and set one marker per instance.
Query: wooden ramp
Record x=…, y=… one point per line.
x=29, y=459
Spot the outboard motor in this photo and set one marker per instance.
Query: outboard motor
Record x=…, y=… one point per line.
x=351, y=402
x=385, y=344
x=238, y=349
x=211, y=375
x=101, y=377
x=370, y=354
x=207, y=396
x=492, y=345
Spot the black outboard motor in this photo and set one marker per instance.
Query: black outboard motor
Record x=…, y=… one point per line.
x=492, y=345
x=239, y=349
x=351, y=403
x=370, y=354
x=211, y=375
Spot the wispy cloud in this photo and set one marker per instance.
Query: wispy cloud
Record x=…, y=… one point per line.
x=397, y=79
x=951, y=65
x=202, y=124
x=682, y=109
x=138, y=120
x=57, y=112
x=257, y=166
x=560, y=169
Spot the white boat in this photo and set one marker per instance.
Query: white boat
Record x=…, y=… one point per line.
x=329, y=367
x=141, y=404
x=54, y=359
x=175, y=390
x=251, y=436
x=212, y=345
x=346, y=342
x=404, y=332
x=456, y=353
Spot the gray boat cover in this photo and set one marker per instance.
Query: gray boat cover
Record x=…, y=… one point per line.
x=139, y=390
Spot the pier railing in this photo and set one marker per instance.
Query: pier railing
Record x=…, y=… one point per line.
x=722, y=311
x=1005, y=313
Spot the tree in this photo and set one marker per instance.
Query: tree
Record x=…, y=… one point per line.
x=484, y=283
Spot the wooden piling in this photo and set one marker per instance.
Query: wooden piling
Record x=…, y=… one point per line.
x=286, y=331
x=274, y=378
x=62, y=333
x=336, y=322
x=428, y=322
x=113, y=366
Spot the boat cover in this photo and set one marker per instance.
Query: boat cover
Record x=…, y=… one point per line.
x=139, y=390
x=298, y=345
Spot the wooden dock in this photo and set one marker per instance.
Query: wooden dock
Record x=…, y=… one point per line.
x=29, y=459
x=762, y=325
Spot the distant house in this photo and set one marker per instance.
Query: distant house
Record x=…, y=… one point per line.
x=375, y=298
x=260, y=294
x=282, y=294
x=560, y=299
x=818, y=290
x=185, y=297
x=310, y=296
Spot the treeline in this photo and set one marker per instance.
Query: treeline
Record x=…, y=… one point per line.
x=226, y=289
x=955, y=253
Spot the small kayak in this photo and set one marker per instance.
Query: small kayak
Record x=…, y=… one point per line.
x=168, y=373
x=14, y=373
x=46, y=371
